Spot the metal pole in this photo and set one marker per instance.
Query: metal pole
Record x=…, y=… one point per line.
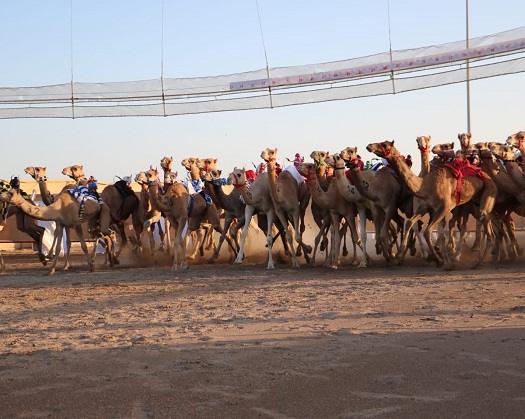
x=467, y=16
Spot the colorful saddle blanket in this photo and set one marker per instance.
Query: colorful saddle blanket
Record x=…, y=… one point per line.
x=81, y=193
x=462, y=169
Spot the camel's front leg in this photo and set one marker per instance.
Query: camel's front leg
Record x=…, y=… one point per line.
x=269, y=238
x=78, y=230
x=248, y=214
x=362, y=230
x=335, y=240
x=59, y=231
x=298, y=229
x=289, y=238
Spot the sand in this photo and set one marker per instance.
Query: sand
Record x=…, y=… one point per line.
x=236, y=342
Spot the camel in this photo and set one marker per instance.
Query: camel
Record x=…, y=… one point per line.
x=174, y=205
x=511, y=197
x=257, y=198
x=290, y=198
x=386, y=193
x=123, y=203
x=350, y=193
x=330, y=200
x=439, y=191
x=201, y=212
x=66, y=211
x=150, y=214
x=23, y=223
x=518, y=140
x=506, y=155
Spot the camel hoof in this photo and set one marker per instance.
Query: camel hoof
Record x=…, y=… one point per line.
x=51, y=272
x=363, y=264
x=270, y=267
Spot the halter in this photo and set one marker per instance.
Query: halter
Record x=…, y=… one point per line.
x=423, y=149
x=386, y=152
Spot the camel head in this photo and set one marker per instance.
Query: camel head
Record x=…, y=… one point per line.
x=238, y=177
x=214, y=174
x=37, y=173
x=189, y=162
x=384, y=149
x=307, y=170
x=482, y=146
x=465, y=140
x=269, y=154
x=207, y=164
x=12, y=196
x=443, y=148
x=517, y=140
x=502, y=151
x=166, y=164
x=152, y=175
x=75, y=172
x=349, y=153
x=338, y=162
x=319, y=156
x=423, y=143
x=141, y=178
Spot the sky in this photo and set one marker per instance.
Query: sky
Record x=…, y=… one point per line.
x=120, y=40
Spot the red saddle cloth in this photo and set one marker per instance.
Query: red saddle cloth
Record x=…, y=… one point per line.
x=360, y=165
x=462, y=169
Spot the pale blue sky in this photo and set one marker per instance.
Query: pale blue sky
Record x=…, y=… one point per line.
x=120, y=40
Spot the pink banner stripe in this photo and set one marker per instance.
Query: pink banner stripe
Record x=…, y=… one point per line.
x=382, y=68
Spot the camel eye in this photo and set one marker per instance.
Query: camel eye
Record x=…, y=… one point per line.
x=238, y=175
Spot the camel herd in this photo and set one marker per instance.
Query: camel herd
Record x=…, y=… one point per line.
x=483, y=180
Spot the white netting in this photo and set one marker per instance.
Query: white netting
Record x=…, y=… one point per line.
x=379, y=74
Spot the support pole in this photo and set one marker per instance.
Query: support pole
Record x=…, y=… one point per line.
x=467, y=24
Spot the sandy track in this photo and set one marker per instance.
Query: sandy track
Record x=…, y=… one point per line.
x=223, y=341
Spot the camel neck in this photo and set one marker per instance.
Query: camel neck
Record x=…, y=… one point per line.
x=272, y=177
x=425, y=162
x=47, y=213
x=413, y=182
x=154, y=196
x=47, y=197
x=516, y=173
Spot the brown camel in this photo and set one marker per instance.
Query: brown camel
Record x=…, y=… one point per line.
x=350, y=193
x=201, y=212
x=518, y=140
x=387, y=193
x=290, y=197
x=150, y=214
x=330, y=200
x=174, y=204
x=24, y=223
x=66, y=211
x=439, y=190
x=506, y=155
x=75, y=172
x=257, y=198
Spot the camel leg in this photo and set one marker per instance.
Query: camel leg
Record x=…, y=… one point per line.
x=67, y=250
x=2, y=263
x=385, y=232
x=269, y=238
x=167, y=235
x=248, y=213
x=350, y=221
x=227, y=223
x=138, y=227
x=83, y=246
x=335, y=240
x=29, y=226
x=407, y=228
x=298, y=233
x=362, y=231
x=436, y=218
x=58, y=233
x=284, y=221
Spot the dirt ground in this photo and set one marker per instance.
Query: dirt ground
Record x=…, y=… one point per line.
x=222, y=341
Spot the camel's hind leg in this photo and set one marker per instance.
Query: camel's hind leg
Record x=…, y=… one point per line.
x=2, y=263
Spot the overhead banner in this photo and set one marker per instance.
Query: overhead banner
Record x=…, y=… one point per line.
x=385, y=73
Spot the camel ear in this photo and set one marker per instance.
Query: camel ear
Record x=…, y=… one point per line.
x=429, y=138
x=81, y=167
x=393, y=142
x=356, y=150
x=459, y=136
x=215, y=160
